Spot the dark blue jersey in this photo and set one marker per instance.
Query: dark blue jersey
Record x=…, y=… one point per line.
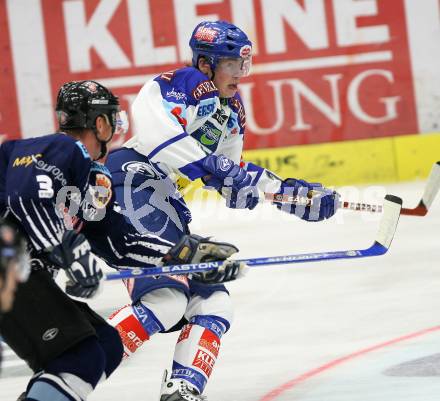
x=34, y=172
x=50, y=184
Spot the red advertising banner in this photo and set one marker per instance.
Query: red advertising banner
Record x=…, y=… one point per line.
x=323, y=70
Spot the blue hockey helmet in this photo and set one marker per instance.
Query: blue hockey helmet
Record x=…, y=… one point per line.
x=219, y=39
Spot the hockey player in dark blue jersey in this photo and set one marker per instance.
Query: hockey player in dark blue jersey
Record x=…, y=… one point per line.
x=62, y=199
x=46, y=187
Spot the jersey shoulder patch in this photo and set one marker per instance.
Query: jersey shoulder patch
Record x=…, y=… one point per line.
x=187, y=85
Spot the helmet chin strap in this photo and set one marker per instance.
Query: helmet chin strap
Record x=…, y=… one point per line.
x=103, y=150
x=101, y=142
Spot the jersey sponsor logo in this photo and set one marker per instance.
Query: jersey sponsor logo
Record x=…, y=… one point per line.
x=184, y=334
x=220, y=116
x=210, y=135
x=49, y=168
x=205, y=109
x=204, y=362
x=203, y=88
x=176, y=112
x=102, y=191
x=130, y=340
x=183, y=372
x=210, y=342
x=240, y=110
x=26, y=160
x=224, y=163
x=168, y=76
x=149, y=324
x=176, y=95
x=132, y=333
x=141, y=168
x=206, y=34
x=50, y=334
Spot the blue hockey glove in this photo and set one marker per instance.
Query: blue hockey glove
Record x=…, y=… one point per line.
x=233, y=182
x=80, y=264
x=322, y=202
x=196, y=249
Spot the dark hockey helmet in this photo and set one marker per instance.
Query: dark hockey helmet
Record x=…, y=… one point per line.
x=79, y=103
x=219, y=39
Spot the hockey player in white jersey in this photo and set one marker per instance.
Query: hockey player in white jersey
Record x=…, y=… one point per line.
x=190, y=123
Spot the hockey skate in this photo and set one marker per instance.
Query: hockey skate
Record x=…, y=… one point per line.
x=178, y=390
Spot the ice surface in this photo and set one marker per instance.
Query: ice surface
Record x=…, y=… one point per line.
x=293, y=322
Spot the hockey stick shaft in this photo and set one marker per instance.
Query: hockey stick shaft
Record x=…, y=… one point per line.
x=432, y=187
x=375, y=250
x=387, y=228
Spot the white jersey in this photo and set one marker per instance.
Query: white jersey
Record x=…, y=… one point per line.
x=179, y=119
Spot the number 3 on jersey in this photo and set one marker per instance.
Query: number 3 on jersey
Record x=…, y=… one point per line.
x=46, y=186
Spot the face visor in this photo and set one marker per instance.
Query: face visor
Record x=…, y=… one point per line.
x=235, y=67
x=118, y=121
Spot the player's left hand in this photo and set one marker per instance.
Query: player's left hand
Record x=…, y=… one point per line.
x=233, y=182
x=193, y=248
x=322, y=203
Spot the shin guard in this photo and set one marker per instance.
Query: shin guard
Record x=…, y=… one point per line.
x=197, y=350
x=135, y=325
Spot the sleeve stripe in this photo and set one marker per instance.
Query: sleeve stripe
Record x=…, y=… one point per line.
x=59, y=229
x=43, y=224
x=37, y=246
x=167, y=143
x=43, y=241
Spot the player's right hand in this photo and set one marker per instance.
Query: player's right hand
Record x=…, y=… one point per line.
x=80, y=264
x=323, y=202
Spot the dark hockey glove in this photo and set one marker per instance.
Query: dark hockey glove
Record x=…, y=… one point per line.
x=80, y=264
x=315, y=203
x=196, y=249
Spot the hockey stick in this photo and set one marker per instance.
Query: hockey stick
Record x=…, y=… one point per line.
x=387, y=227
x=357, y=206
x=432, y=187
